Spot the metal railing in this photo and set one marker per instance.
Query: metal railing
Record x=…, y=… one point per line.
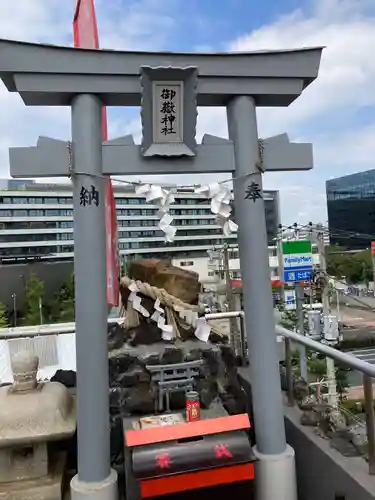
x=365, y=368
x=290, y=337
x=24, y=332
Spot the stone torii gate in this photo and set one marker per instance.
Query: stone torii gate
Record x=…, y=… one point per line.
x=169, y=87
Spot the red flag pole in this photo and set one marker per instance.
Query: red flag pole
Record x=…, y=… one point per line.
x=85, y=32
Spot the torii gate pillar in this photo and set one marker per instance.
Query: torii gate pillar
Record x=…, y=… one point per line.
x=86, y=80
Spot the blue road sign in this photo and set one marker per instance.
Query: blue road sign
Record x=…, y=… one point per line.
x=291, y=275
x=297, y=261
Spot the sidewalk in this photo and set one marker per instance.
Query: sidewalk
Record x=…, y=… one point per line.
x=357, y=392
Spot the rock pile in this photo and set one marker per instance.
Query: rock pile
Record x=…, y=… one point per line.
x=139, y=342
x=132, y=391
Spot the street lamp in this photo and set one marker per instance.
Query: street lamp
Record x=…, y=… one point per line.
x=41, y=310
x=14, y=297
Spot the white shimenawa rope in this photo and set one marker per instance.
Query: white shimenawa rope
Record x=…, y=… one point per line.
x=187, y=314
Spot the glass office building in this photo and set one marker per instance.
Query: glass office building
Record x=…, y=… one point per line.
x=351, y=210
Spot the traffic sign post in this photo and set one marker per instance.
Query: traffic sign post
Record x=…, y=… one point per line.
x=297, y=261
x=298, y=267
x=290, y=300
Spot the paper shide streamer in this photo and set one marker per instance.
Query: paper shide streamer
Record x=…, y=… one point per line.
x=221, y=197
x=159, y=318
x=202, y=328
x=136, y=300
x=163, y=199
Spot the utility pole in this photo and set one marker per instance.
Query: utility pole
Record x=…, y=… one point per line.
x=300, y=300
x=331, y=373
x=373, y=263
x=279, y=251
x=234, y=331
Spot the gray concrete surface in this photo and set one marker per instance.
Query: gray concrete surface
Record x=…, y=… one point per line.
x=354, y=301
x=322, y=472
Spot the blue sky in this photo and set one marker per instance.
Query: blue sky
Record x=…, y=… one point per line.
x=336, y=113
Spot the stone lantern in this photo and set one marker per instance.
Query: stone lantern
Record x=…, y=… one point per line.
x=33, y=414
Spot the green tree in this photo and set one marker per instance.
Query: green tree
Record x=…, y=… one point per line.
x=66, y=301
x=357, y=268
x=3, y=317
x=34, y=301
x=316, y=366
x=289, y=320
x=342, y=382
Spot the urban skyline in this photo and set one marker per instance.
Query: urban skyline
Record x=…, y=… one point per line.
x=37, y=220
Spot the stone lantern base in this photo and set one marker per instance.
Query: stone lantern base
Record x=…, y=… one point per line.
x=45, y=488
x=23, y=462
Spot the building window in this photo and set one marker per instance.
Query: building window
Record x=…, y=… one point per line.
x=36, y=213
x=65, y=224
x=186, y=263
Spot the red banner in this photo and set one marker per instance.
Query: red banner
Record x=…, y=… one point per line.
x=85, y=31
x=373, y=247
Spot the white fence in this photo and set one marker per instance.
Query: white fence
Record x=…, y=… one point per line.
x=53, y=344
x=54, y=351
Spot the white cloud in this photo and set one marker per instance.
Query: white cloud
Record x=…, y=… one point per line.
x=33, y=21
x=50, y=21
x=136, y=25
x=347, y=72
x=349, y=149
x=36, y=20
x=345, y=83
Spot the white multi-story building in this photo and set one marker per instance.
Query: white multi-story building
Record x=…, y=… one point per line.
x=209, y=270
x=36, y=222
x=307, y=233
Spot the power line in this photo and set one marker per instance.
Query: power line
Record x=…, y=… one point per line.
x=343, y=233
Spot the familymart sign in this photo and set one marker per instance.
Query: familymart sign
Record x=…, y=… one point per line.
x=297, y=261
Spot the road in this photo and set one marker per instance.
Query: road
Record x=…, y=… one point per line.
x=355, y=318
x=366, y=354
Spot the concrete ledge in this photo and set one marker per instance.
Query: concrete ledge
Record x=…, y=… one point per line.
x=322, y=472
